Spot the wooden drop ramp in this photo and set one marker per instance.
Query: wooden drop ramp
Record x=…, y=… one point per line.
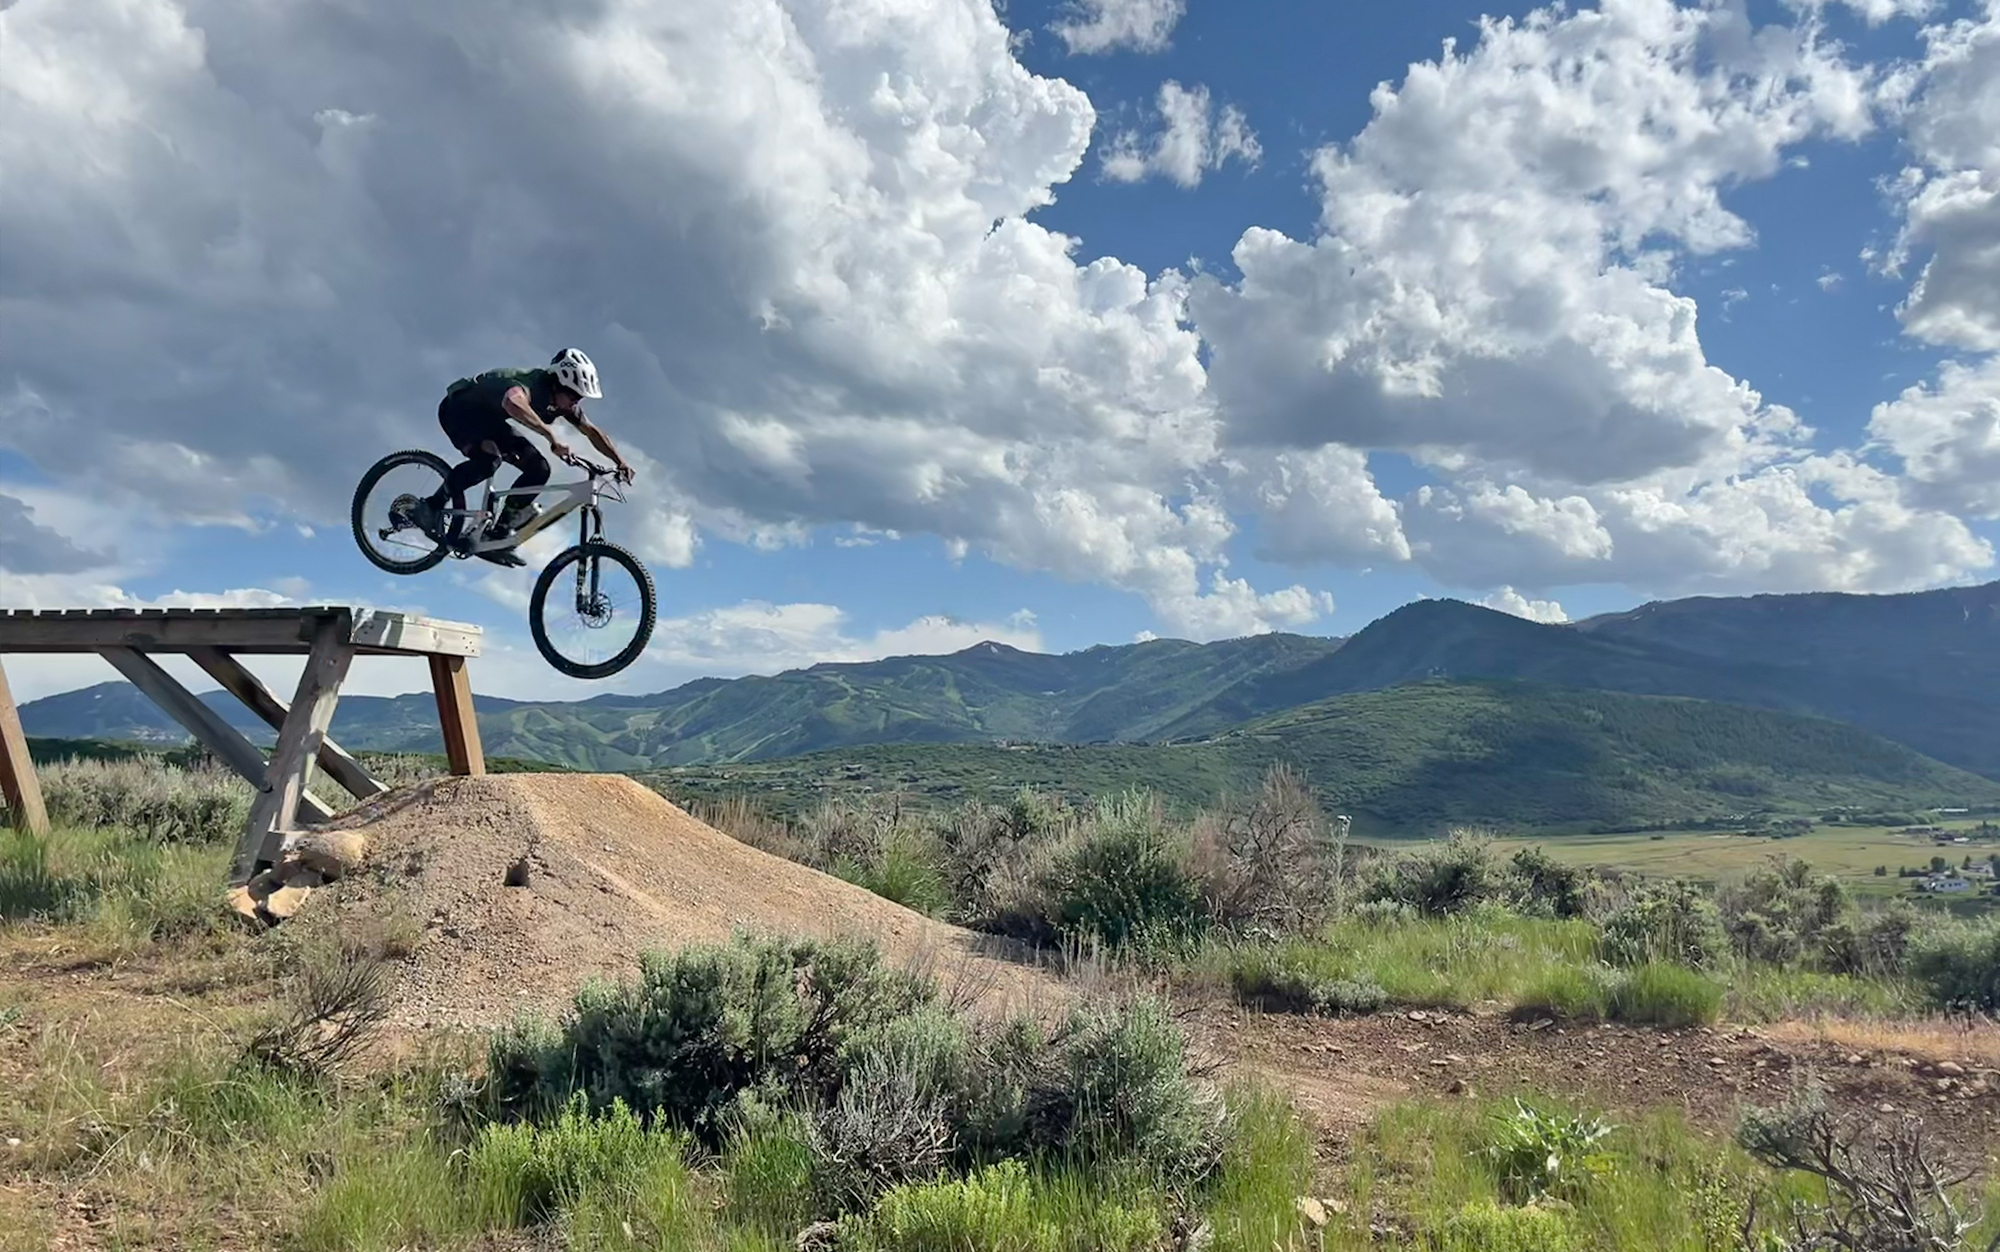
x=328, y=636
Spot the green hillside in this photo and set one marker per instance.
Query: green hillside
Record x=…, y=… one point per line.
x=1423, y=756
x=1918, y=669
x=1922, y=670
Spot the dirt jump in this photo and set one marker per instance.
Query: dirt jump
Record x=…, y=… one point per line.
x=508, y=892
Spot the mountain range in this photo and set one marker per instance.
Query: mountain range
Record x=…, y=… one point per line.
x=1420, y=757
x=1921, y=670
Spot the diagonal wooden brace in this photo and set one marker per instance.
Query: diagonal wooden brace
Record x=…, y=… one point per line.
x=276, y=810
x=335, y=760
x=201, y=721
x=20, y=790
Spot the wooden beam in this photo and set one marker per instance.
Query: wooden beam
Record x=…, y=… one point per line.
x=19, y=788
x=338, y=763
x=455, y=715
x=399, y=633
x=201, y=721
x=64, y=632
x=275, y=811
x=373, y=632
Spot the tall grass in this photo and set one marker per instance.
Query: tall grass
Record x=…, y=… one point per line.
x=125, y=888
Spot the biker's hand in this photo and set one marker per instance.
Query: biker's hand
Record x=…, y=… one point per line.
x=562, y=451
x=626, y=473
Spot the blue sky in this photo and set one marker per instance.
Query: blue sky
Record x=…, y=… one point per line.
x=867, y=423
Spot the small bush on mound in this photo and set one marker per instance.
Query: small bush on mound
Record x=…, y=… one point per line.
x=1666, y=921
x=906, y=868
x=1660, y=994
x=1959, y=965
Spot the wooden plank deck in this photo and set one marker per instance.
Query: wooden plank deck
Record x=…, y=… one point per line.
x=370, y=632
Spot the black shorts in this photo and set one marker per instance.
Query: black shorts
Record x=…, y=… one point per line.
x=468, y=423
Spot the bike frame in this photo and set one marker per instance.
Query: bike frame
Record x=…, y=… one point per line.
x=581, y=494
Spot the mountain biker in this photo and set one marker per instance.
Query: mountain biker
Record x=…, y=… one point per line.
x=475, y=414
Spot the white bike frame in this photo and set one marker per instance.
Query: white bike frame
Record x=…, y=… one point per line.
x=581, y=494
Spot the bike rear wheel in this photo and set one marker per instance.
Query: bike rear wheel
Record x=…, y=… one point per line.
x=601, y=616
x=396, y=483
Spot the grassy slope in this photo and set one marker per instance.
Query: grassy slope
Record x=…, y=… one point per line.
x=1427, y=755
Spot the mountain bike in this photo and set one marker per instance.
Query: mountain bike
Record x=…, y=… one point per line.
x=573, y=632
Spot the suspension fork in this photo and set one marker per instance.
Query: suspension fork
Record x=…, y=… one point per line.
x=590, y=525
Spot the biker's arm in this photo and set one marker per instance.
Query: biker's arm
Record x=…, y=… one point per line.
x=602, y=442
x=515, y=402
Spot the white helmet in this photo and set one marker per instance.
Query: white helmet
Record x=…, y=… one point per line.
x=574, y=371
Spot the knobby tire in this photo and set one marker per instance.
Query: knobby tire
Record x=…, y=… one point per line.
x=375, y=474
x=649, y=607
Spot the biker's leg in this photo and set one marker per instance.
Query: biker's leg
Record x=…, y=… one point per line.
x=534, y=467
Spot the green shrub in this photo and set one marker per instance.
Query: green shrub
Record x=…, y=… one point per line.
x=159, y=802
x=1662, y=994
x=1483, y=1226
x=906, y=866
x=1130, y=1096
x=1959, y=964
x=768, y=1177
x=1666, y=921
x=701, y=1025
x=523, y=1174
x=1293, y=988
x=1779, y=913
x=1438, y=878
x=1536, y=1153
x=1002, y=1208
x=1541, y=886
x=1121, y=878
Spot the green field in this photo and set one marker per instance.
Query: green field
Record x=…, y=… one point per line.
x=1847, y=852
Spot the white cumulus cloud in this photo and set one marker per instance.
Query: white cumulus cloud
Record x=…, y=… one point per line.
x=1192, y=138
x=1094, y=26
x=1508, y=600
x=1490, y=295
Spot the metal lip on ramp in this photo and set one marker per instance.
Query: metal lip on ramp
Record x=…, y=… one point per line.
x=371, y=632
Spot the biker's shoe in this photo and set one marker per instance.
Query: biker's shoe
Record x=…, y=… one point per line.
x=428, y=517
x=501, y=556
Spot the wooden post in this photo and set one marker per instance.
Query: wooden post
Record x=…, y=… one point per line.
x=276, y=810
x=455, y=715
x=244, y=685
x=19, y=787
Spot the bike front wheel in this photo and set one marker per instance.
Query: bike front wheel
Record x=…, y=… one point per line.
x=592, y=610
x=386, y=507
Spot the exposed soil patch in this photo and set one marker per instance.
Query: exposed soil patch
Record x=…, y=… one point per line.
x=508, y=892
x=1344, y=1069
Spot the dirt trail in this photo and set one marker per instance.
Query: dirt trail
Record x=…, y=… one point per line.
x=613, y=868
x=1344, y=1070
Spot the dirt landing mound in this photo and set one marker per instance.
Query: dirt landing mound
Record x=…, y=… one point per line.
x=511, y=891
